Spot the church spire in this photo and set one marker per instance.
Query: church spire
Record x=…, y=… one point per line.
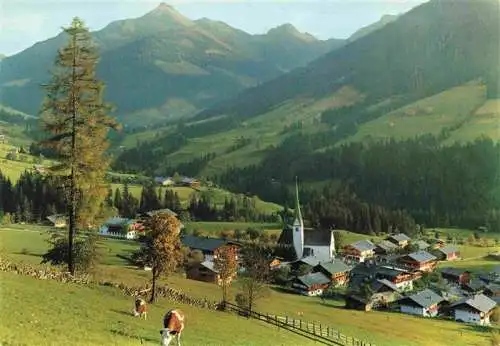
x=298, y=214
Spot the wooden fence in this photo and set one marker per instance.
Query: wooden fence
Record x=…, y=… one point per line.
x=310, y=330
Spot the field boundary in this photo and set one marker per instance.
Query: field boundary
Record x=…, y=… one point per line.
x=310, y=330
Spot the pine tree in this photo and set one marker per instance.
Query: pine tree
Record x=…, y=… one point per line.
x=118, y=200
x=75, y=116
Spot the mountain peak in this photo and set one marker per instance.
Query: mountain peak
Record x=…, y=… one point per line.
x=288, y=29
x=168, y=13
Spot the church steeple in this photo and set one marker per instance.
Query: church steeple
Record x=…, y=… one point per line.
x=298, y=214
x=298, y=225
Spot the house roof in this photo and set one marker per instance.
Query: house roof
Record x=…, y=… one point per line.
x=475, y=285
x=422, y=245
x=161, y=211
x=314, y=279
x=336, y=266
x=209, y=265
x=421, y=256
x=387, y=245
x=400, y=237
x=447, y=249
x=56, y=218
x=377, y=284
x=309, y=260
x=479, y=302
x=425, y=298
x=390, y=272
x=203, y=243
x=363, y=245
x=117, y=221
x=453, y=271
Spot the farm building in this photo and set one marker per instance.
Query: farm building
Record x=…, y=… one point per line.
x=422, y=245
x=357, y=302
x=385, y=247
x=208, y=246
x=425, y=303
x=420, y=260
x=447, y=253
x=58, y=220
x=456, y=275
x=165, y=181
x=401, y=240
x=203, y=271
x=476, y=309
x=474, y=286
x=336, y=270
x=359, y=251
x=121, y=228
x=401, y=278
x=312, y=284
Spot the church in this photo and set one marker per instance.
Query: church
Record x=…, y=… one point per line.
x=307, y=242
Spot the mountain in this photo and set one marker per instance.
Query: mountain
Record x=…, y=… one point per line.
x=385, y=19
x=429, y=71
x=163, y=65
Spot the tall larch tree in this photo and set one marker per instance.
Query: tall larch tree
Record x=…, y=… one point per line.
x=76, y=118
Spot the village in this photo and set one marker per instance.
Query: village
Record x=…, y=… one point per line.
x=397, y=274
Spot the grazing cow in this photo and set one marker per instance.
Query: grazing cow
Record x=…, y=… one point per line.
x=173, y=325
x=140, y=308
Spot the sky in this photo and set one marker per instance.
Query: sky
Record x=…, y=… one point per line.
x=25, y=22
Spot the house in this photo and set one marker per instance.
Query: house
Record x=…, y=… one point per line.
x=307, y=262
x=400, y=239
x=312, y=284
x=384, y=292
x=161, y=211
x=203, y=271
x=425, y=303
x=420, y=260
x=358, y=302
x=476, y=309
x=422, y=245
x=165, y=181
x=492, y=290
x=401, y=278
x=359, y=251
x=447, y=253
x=58, y=220
x=208, y=246
x=336, y=270
x=191, y=182
x=121, y=228
x=474, y=286
x=456, y=275
x=307, y=242
x=385, y=247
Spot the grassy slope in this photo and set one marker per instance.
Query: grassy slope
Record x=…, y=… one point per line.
x=14, y=169
x=372, y=326
x=430, y=116
x=102, y=316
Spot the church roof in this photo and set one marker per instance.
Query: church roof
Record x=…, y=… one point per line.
x=312, y=237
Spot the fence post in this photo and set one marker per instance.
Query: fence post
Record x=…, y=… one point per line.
x=276, y=319
x=286, y=320
x=320, y=330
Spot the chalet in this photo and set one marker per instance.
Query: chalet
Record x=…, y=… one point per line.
x=164, y=181
x=208, y=246
x=425, y=303
x=190, y=182
x=358, y=302
x=455, y=275
x=385, y=247
x=58, y=220
x=121, y=228
x=400, y=239
x=311, y=284
x=401, y=278
x=336, y=270
x=307, y=242
x=309, y=262
x=384, y=292
x=447, y=253
x=422, y=245
x=203, y=271
x=161, y=211
x=420, y=260
x=476, y=309
x=359, y=251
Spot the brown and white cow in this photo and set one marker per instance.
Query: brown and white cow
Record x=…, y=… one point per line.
x=173, y=325
x=140, y=308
